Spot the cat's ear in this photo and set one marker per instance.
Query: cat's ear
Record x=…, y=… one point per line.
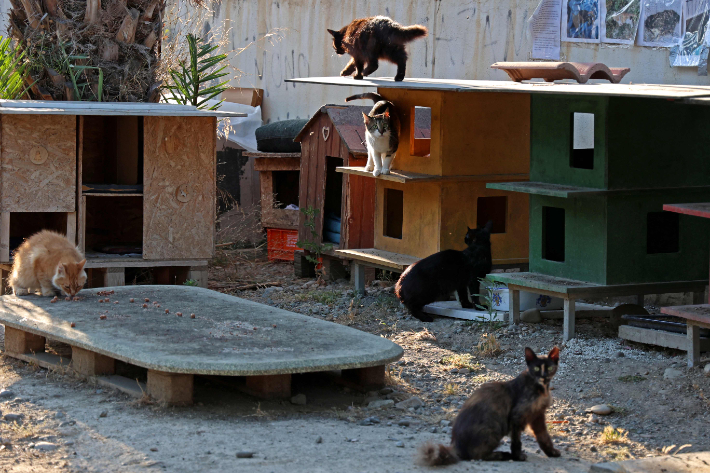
x=61, y=269
x=366, y=117
x=530, y=355
x=554, y=355
x=81, y=264
x=336, y=34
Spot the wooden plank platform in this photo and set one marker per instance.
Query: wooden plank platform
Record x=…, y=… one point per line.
x=570, y=290
x=696, y=317
x=700, y=209
x=545, y=188
x=34, y=107
x=227, y=337
x=405, y=177
x=697, y=94
x=379, y=258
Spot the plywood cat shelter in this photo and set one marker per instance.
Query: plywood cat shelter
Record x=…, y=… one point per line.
x=132, y=184
x=604, y=161
x=438, y=184
x=333, y=138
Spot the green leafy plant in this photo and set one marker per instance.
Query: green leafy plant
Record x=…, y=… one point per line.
x=315, y=250
x=190, y=81
x=190, y=282
x=75, y=67
x=487, y=303
x=13, y=70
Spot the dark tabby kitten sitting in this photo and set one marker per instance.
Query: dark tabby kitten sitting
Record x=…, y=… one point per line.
x=381, y=133
x=368, y=40
x=447, y=271
x=498, y=409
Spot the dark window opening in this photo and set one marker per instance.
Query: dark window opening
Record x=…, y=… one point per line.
x=285, y=186
x=582, y=152
x=112, y=151
x=492, y=209
x=553, y=234
x=118, y=232
x=662, y=233
x=394, y=213
x=420, y=126
x=25, y=224
x=333, y=201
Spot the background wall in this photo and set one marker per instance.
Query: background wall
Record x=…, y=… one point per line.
x=465, y=38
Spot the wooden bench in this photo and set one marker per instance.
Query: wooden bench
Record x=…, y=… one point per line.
x=696, y=317
x=374, y=258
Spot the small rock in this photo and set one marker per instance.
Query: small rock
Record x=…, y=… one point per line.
x=385, y=391
x=370, y=421
x=399, y=444
x=620, y=354
x=593, y=449
x=464, y=371
x=67, y=423
x=433, y=430
x=672, y=373
x=13, y=417
x=593, y=418
x=103, y=414
x=445, y=423
x=706, y=369
x=245, y=454
x=5, y=394
x=319, y=439
x=405, y=422
x=45, y=446
x=299, y=400
x=531, y=316
x=411, y=402
x=382, y=403
x=601, y=410
x=59, y=415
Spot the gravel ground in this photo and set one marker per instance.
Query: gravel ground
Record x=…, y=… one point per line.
x=69, y=424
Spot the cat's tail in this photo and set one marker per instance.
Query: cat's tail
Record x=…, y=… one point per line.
x=405, y=34
x=436, y=454
x=369, y=95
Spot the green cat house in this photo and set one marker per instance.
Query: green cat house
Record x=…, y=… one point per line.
x=602, y=166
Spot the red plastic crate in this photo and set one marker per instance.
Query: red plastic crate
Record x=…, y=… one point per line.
x=281, y=244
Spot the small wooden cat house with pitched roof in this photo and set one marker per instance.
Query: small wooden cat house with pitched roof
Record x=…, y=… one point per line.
x=334, y=138
x=133, y=185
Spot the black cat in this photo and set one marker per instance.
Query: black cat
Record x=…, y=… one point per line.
x=447, y=271
x=497, y=409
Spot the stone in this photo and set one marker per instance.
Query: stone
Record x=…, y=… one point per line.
x=299, y=400
x=464, y=371
x=385, y=391
x=245, y=454
x=59, y=415
x=380, y=404
x=405, y=422
x=433, y=430
x=6, y=394
x=620, y=354
x=707, y=368
x=13, y=417
x=608, y=468
x=601, y=410
x=531, y=316
x=672, y=373
x=593, y=449
x=411, y=402
x=103, y=414
x=370, y=421
x=45, y=446
x=399, y=444
x=319, y=439
x=445, y=423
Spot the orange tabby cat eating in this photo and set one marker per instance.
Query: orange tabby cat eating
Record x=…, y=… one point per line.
x=49, y=262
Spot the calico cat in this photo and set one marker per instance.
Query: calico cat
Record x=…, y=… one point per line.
x=447, y=271
x=381, y=133
x=368, y=40
x=47, y=261
x=498, y=409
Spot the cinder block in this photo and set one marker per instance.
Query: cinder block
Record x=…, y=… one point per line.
x=172, y=388
x=89, y=363
x=19, y=341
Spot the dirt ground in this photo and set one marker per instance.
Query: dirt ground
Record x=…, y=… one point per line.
x=68, y=424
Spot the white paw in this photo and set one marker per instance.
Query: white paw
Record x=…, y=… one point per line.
x=376, y=172
x=20, y=291
x=369, y=168
x=385, y=171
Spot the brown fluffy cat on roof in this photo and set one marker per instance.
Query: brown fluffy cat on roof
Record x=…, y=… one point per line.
x=368, y=40
x=47, y=261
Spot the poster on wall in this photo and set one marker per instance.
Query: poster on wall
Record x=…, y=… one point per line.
x=660, y=23
x=692, y=51
x=620, y=20
x=580, y=21
x=545, y=30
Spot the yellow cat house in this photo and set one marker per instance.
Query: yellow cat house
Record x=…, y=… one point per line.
x=133, y=185
x=437, y=187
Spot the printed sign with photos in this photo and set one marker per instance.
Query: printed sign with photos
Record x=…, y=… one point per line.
x=580, y=21
x=660, y=23
x=620, y=20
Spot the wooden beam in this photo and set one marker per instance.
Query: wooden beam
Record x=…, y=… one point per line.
x=114, y=277
x=71, y=227
x=198, y=274
x=569, y=319
x=693, y=344
x=513, y=306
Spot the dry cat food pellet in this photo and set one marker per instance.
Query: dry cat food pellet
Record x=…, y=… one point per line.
x=72, y=324
x=115, y=302
x=179, y=314
x=101, y=301
x=167, y=311
x=192, y=316
x=131, y=300
x=147, y=300
x=274, y=325
x=107, y=300
x=67, y=298
x=254, y=328
x=76, y=299
x=145, y=306
x=102, y=317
